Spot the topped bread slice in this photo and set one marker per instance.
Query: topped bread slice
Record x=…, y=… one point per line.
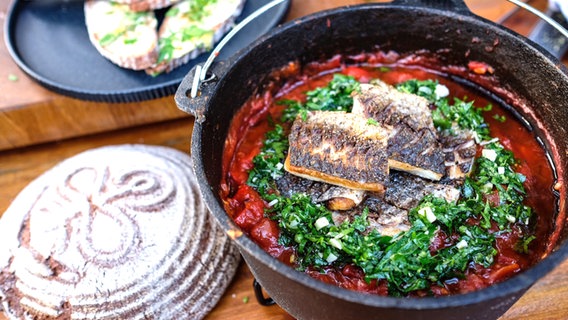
x=145, y=5
x=192, y=27
x=127, y=38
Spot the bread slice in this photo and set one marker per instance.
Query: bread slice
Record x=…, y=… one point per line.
x=127, y=38
x=192, y=27
x=146, y=5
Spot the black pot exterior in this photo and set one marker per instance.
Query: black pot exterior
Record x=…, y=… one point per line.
x=456, y=37
x=307, y=302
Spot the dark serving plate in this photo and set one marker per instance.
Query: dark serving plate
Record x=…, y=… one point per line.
x=48, y=40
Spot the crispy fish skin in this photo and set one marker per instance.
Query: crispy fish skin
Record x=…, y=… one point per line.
x=290, y=184
x=339, y=148
x=459, y=148
x=335, y=197
x=416, y=152
x=388, y=212
x=405, y=190
x=387, y=105
x=413, y=145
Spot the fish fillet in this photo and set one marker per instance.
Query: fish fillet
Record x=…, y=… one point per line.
x=339, y=148
x=388, y=212
x=335, y=197
x=413, y=145
x=405, y=190
x=459, y=148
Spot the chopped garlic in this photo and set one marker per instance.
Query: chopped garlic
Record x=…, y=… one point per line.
x=487, y=187
x=510, y=218
x=336, y=243
x=489, y=154
x=486, y=142
x=293, y=224
x=427, y=211
x=321, y=222
x=462, y=244
x=441, y=91
x=331, y=258
x=501, y=170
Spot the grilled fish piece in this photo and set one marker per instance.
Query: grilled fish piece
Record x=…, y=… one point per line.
x=459, y=148
x=405, y=190
x=290, y=184
x=387, y=219
x=413, y=145
x=387, y=105
x=340, y=198
x=339, y=148
x=388, y=213
x=336, y=198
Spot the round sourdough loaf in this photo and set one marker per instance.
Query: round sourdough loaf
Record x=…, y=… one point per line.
x=118, y=232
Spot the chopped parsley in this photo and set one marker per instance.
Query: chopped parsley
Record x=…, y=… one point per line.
x=269, y=163
x=131, y=20
x=170, y=43
x=462, y=113
x=492, y=195
x=193, y=31
x=336, y=96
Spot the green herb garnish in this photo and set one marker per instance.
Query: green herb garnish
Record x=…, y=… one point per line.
x=336, y=96
x=491, y=196
x=462, y=113
x=269, y=163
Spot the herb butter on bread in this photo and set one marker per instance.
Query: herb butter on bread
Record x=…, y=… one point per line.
x=127, y=38
x=145, y=5
x=192, y=27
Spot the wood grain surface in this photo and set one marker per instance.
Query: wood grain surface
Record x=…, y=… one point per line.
x=39, y=128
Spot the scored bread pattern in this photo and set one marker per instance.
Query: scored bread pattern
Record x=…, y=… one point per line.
x=130, y=239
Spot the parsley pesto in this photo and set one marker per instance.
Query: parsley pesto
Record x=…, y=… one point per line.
x=491, y=202
x=125, y=23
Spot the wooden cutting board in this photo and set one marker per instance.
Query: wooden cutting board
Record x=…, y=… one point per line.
x=30, y=116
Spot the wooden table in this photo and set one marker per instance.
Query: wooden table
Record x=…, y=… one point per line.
x=39, y=128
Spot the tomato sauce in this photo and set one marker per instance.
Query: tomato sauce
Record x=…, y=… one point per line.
x=250, y=124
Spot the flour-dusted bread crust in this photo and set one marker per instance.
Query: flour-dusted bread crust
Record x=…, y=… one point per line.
x=118, y=232
x=190, y=29
x=127, y=38
x=145, y=5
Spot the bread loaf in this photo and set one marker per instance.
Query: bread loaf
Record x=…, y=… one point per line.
x=118, y=232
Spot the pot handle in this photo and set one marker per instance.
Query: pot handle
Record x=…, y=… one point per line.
x=191, y=94
x=260, y=295
x=203, y=87
x=448, y=5
x=551, y=33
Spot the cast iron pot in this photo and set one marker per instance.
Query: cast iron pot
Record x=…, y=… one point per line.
x=457, y=36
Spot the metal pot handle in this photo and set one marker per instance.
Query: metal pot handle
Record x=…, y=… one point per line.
x=191, y=85
x=204, y=89
x=262, y=300
x=541, y=15
x=551, y=32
